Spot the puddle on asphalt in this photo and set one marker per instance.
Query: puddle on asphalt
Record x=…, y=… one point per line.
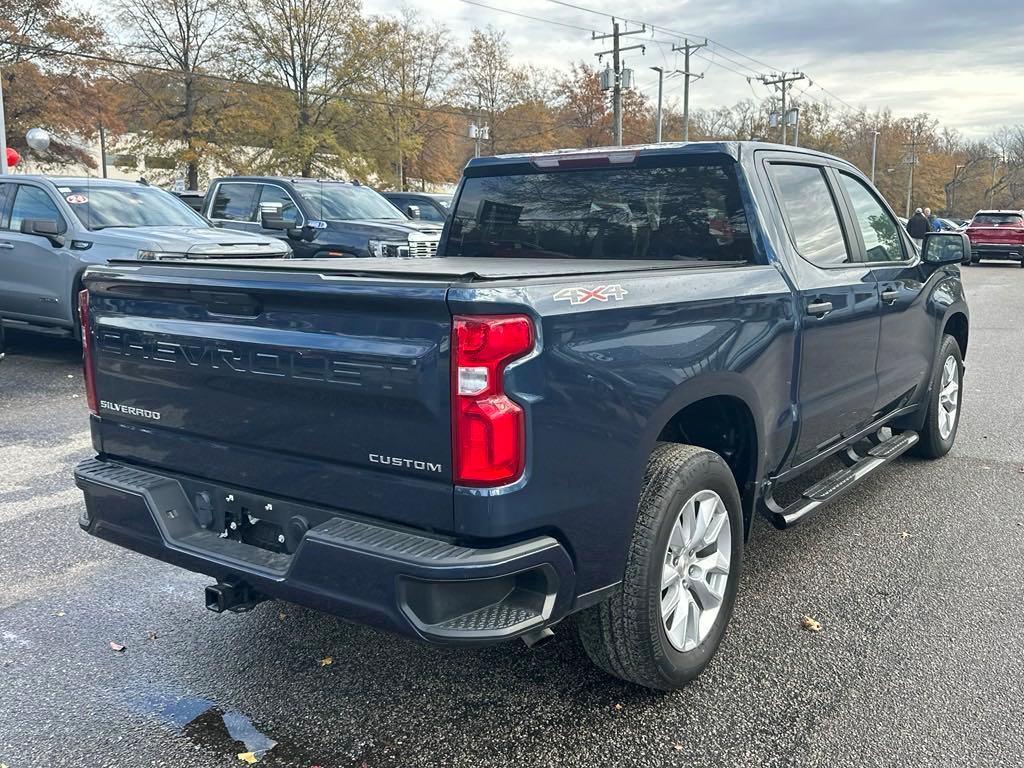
x=207, y=724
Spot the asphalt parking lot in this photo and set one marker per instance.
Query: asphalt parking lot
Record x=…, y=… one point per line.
x=917, y=581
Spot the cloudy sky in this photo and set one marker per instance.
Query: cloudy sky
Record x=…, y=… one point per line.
x=960, y=61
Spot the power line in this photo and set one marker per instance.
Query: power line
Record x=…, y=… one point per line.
x=526, y=16
x=751, y=71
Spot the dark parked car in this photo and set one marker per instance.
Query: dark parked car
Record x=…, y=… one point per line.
x=320, y=218
x=576, y=410
x=421, y=205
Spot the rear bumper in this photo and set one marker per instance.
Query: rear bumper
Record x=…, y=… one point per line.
x=997, y=251
x=391, y=578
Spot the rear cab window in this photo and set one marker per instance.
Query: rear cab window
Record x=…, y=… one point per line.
x=686, y=209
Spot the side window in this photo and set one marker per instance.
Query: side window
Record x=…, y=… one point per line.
x=812, y=218
x=429, y=213
x=276, y=199
x=234, y=202
x=879, y=229
x=33, y=203
x=3, y=204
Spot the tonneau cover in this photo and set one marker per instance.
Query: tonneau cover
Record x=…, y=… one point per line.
x=458, y=269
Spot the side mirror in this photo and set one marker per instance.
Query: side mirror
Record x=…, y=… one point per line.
x=47, y=228
x=273, y=220
x=946, y=248
x=412, y=211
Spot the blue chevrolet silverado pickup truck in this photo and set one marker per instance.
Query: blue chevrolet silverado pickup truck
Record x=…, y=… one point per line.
x=618, y=359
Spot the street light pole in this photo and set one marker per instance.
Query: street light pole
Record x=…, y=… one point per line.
x=657, y=125
x=874, y=154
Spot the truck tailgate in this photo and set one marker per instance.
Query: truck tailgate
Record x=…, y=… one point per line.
x=327, y=390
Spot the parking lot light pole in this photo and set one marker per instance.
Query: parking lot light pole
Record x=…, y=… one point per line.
x=874, y=154
x=657, y=124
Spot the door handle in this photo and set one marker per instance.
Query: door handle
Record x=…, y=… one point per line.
x=7, y=246
x=889, y=297
x=819, y=308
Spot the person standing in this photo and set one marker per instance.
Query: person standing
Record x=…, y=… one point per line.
x=918, y=226
x=933, y=221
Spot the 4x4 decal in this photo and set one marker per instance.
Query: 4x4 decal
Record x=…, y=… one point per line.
x=579, y=294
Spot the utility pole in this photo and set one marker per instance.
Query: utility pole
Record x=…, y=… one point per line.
x=3, y=130
x=793, y=118
x=782, y=81
x=617, y=71
x=911, y=161
x=874, y=154
x=687, y=48
x=478, y=131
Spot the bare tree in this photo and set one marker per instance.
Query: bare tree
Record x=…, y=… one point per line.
x=184, y=36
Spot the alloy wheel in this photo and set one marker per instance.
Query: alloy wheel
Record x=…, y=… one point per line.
x=695, y=570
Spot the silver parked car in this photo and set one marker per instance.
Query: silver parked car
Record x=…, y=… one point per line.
x=52, y=228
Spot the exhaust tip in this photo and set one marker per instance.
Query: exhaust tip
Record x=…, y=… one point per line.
x=535, y=638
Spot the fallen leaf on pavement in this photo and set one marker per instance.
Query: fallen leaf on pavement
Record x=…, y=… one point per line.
x=326, y=661
x=618, y=706
x=151, y=636
x=282, y=616
x=248, y=757
x=116, y=647
x=678, y=747
x=811, y=625
x=59, y=613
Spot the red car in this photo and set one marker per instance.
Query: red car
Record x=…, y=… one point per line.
x=997, y=235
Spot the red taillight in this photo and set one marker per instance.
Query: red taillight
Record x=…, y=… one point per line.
x=87, y=364
x=488, y=429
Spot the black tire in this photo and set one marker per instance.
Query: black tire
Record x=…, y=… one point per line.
x=625, y=635
x=932, y=444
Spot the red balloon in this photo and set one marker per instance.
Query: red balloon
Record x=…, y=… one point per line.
x=12, y=157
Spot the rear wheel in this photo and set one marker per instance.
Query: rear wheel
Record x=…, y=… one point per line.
x=943, y=418
x=664, y=623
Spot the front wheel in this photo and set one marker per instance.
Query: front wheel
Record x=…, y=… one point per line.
x=943, y=418
x=664, y=622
